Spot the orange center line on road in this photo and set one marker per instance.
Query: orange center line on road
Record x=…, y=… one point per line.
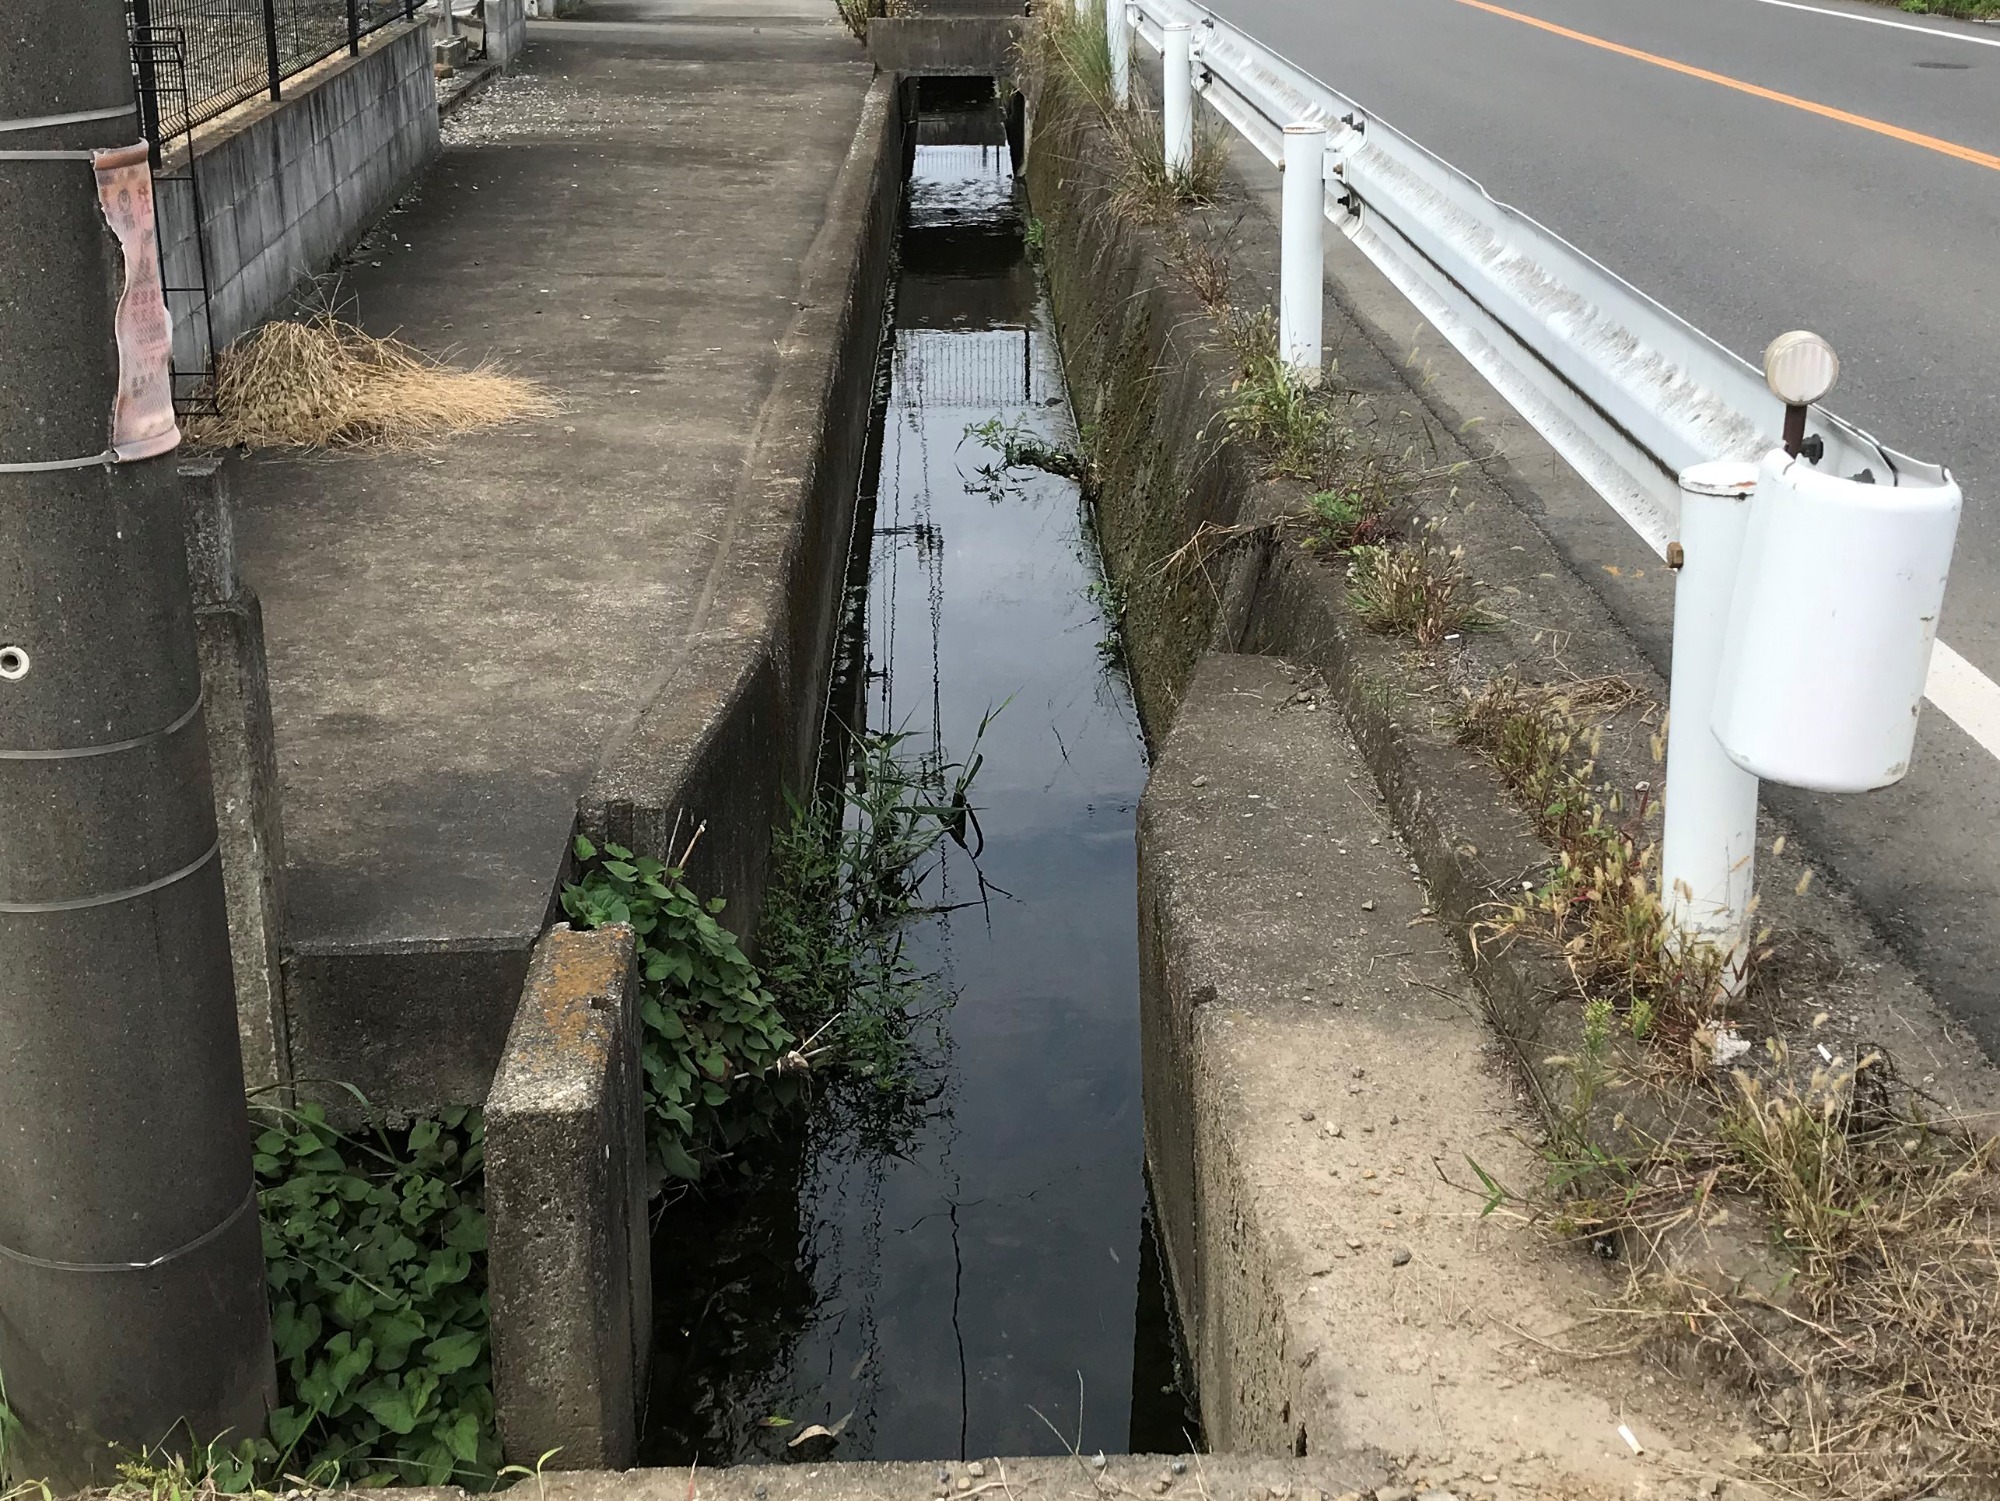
x=1826, y=111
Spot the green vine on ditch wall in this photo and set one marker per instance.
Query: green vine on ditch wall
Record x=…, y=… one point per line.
x=714, y=1040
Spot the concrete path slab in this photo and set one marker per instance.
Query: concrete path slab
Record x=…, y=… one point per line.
x=458, y=637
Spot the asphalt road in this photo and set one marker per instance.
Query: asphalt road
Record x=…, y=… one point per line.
x=1749, y=216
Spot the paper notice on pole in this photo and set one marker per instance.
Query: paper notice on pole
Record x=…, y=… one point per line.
x=142, y=416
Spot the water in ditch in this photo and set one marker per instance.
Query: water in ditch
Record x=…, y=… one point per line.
x=979, y=1277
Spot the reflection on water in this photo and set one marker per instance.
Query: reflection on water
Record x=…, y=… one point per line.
x=982, y=1286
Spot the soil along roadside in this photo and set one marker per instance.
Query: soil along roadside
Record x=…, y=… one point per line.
x=1801, y=1232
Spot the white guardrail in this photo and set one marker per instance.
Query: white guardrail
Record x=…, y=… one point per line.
x=1626, y=391
x=1633, y=397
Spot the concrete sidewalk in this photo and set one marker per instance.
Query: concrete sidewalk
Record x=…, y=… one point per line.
x=459, y=640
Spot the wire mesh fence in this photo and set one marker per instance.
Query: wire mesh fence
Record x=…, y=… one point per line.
x=232, y=51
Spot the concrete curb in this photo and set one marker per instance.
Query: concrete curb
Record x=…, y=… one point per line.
x=470, y=87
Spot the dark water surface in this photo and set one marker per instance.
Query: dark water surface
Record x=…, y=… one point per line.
x=983, y=1281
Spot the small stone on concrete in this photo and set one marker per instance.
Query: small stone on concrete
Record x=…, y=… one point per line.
x=976, y=1470
x=1199, y=782
x=1401, y=1258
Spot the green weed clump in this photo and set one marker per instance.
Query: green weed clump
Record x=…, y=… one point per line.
x=713, y=1038
x=1419, y=588
x=851, y=871
x=375, y=1241
x=1020, y=447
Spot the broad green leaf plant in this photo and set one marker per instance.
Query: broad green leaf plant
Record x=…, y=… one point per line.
x=375, y=1244
x=712, y=1033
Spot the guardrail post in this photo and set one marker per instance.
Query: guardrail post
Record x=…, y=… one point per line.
x=1301, y=260
x=1177, y=95
x=1118, y=38
x=1709, y=845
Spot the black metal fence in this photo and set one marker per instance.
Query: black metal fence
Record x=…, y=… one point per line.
x=231, y=51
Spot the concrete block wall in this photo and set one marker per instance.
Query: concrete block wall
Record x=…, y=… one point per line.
x=506, y=29
x=287, y=187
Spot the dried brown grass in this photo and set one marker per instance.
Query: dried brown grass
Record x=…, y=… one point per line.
x=1876, y=1355
x=327, y=384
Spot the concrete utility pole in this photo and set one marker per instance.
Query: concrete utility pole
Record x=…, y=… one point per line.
x=133, y=1309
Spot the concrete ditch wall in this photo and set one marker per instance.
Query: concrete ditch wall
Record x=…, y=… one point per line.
x=1132, y=351
x=945, y=45
x=736, y=717
x=287, y=187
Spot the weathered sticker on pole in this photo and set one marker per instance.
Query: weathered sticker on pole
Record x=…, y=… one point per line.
x=142, y=416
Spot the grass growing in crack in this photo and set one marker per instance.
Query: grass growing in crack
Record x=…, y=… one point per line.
x=1148, y=190
x=1069, y=49
x=1419, y=588
x=1294, y=421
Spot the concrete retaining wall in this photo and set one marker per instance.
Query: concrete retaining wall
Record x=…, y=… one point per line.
x=569, y=1267
x=287, y=187
x=972, y=46
x=1133, y=354
x=738, y=720
x=243, y=764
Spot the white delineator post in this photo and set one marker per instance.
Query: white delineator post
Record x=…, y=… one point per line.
x=1177, y=95
x=1118, y=37
x=1301, y=261
x=1708, y=861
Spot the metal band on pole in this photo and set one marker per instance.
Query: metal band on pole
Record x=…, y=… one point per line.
x=49, y=466
x=75, y=117
x=49, y=1265
x=112, y=898
x=110, y=748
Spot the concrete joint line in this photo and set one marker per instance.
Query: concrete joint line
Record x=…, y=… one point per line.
x=161, y=1260
x=43, y=466
x=110, y=748
x=106, y=899
x=78, y=117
